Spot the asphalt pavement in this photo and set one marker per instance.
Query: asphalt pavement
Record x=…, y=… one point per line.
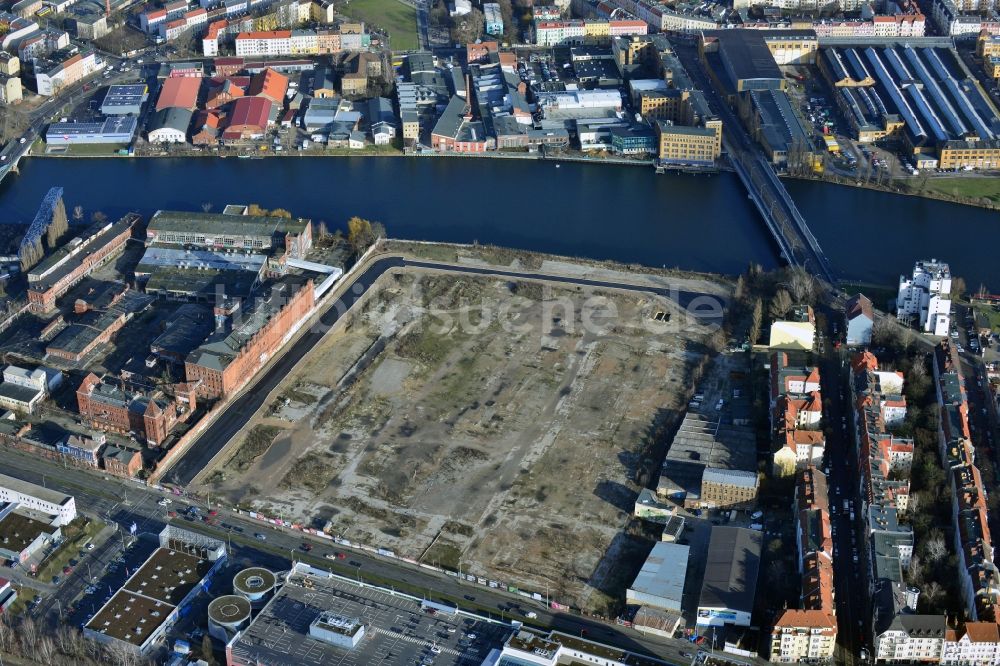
x=96, y=496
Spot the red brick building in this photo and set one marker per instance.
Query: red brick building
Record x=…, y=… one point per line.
x=228, y=360
x=121, y=462
x=57, y=273
x=110, y=408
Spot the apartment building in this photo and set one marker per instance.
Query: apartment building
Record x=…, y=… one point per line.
x=924, y=299
x=911, y=639
x=974, y=644
x=554, y=32
x=64, y=68
x=318, y=41
x=493, y=18
x=988, y=50
x=978, y=576
x=789, y=377
x=800, y=441
x=859, y=319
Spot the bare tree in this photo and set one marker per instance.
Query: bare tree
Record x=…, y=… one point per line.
x=206, y=206
x=97, y=217
x=57, y=226
x=780, y=304
x=802, y=285
x=756, y=318
x=78, y=213
x=935, y=549
x=886, y=332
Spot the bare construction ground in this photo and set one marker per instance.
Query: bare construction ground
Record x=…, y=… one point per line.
x=478, y=423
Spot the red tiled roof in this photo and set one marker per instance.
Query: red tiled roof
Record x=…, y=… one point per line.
x=269, y=84
x=983, y=632
x=179, y=91
x=265, y=34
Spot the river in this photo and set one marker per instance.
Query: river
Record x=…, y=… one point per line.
x=627, y=214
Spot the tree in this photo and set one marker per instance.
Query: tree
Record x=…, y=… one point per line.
x=30, y=254
x=321, y=230
x=780, y=304
x=467, y=29
x=362, y=233
x=755, y=321
x=957, y=288
x=280, y=212
x=58, y=226
x=97, y=217
x=78, y=213
x=739, y=289
x=207, y=653
x=886, y=333
x=802, y=285
x=206, y=206
x=935, y=548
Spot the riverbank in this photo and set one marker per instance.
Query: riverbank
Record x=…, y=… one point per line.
x=348, y=152
x=935, y=188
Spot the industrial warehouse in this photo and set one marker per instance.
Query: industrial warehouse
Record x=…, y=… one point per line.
x=138, y=615
x=919, y=91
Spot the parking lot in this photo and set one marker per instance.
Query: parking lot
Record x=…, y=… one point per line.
x=396, y=629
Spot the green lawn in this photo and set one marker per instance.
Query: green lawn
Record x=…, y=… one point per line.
x=967, y=188
x=89, y=149
x=399, y=20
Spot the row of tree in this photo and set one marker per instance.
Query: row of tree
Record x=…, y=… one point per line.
x=23, y=638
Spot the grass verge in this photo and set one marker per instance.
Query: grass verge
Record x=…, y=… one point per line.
x=255, y=444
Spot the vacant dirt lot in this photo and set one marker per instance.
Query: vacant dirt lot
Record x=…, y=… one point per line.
x=480, y=423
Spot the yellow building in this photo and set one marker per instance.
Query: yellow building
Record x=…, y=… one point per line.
x=596, y=30
x=792, y=335
x=660, y=105
x=322, y=11
x=792, y=47
x=633, y=50
x=10, y=64
x=411, y=126
x=991, y=64
x=987, y=45
x=682, y=144
x=971, y=154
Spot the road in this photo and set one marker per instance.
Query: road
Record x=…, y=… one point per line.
x=40, y=115
x=850, y=579
x=105, y=497
x=226, y=426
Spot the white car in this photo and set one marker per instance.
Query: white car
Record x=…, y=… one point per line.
x=435, y=649
x=90, y=545
x=163, y=502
